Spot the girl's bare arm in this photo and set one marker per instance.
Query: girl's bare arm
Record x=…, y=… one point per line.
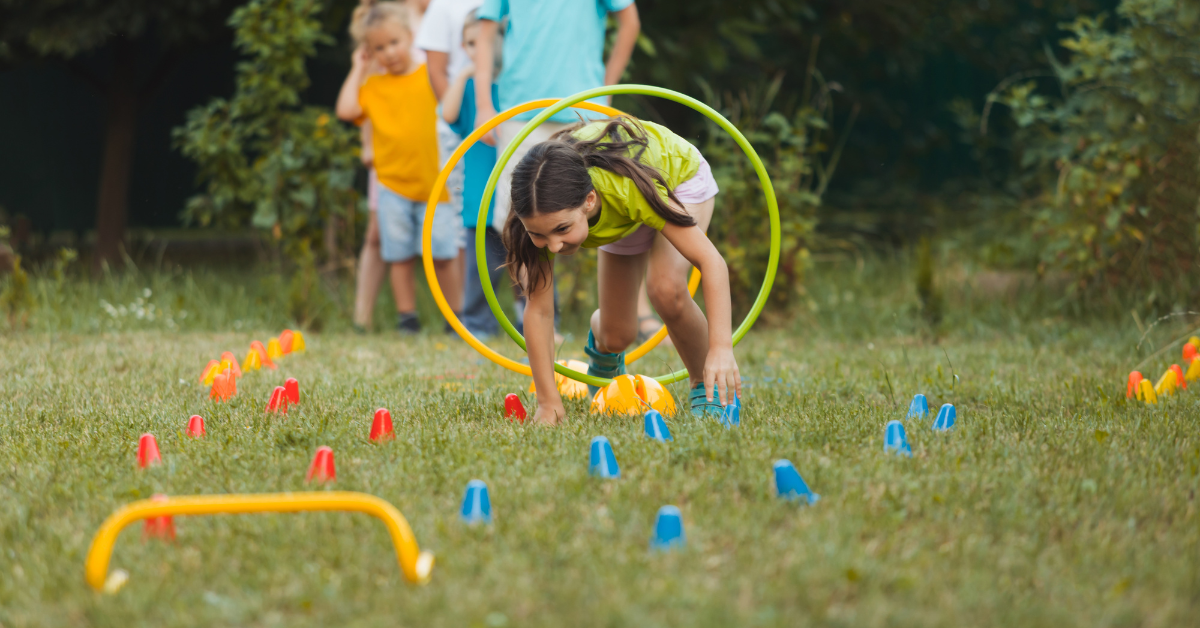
x=485, y=60
x=453, y=96
x=720, y=368
x=539, y=344
x=348, y=108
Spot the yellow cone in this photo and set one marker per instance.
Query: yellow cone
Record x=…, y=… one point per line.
x=1146, y=392
x=297, y=341
x=633, y=395
x=567, y=387
x=1193, y=372
x=1195, y=342
x=273, y=350
x=252, y=361
x=214, y=367
x=1166, y=384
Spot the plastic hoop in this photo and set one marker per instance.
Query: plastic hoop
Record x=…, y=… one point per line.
x=439, y=297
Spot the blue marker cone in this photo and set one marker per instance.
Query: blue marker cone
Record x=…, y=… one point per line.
x=894, y=440
x=919, y=408
x=476, y=507
x=731, y=415
x=603, y=461
x=945, y=418
x=668, y=530
x=789, y=484
x=656, y=427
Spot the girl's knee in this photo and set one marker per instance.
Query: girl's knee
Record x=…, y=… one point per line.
x=669, y=297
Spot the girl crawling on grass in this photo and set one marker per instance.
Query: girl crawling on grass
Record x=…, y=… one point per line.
x=643, y=196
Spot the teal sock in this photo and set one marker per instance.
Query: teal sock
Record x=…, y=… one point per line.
x=601, y=364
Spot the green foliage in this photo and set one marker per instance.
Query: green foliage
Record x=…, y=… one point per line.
x=263, y=158
x=1116, y=150
x=927, y=289
x=797, y=146
x=15, y=299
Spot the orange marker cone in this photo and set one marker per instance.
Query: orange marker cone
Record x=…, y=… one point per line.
x=278, y=402
x=233, y=363
x=1179, y=381
x=1135, y=380
x=297, y=342
x=148, y=451
x=159, y=527
x=252, y=362
x=210, y=371
x=381, y=426
x=322, y=469
x=273, y=350
x=292, y=388
x=285, y=341
x=263, y=357
x=195, y=426
x=1147, y=393
x=1189, y=352
x=567, y=387
x=224, y=387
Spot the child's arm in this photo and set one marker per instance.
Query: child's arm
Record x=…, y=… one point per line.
x=628, y=27
x=539, y=345
x=368, y=149
x=348, y=108
x=721, y=373
x=485, y=43
x=453, y=96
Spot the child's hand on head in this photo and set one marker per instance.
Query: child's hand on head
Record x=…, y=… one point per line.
x=722, y=380
x=360, y=57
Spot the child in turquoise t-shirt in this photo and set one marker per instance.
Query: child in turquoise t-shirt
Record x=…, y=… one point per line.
x=458, y=109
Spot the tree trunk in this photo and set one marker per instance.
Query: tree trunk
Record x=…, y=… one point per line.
x=120, y=125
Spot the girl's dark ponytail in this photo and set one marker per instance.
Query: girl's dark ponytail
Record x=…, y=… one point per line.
x=553, y=176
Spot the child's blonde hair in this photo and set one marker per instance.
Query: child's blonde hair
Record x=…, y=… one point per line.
x=370, y=13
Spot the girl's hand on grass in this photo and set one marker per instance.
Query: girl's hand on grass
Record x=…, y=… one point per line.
x=721, y=375
x=550, y=413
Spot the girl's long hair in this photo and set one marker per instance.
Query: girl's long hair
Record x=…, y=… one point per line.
x=553, y=176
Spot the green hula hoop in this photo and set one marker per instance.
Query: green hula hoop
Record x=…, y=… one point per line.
x=646, y=90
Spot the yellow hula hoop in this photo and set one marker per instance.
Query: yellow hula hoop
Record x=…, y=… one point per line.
x=427, y=240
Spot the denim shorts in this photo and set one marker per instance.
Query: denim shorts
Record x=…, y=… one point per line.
x=401, y=220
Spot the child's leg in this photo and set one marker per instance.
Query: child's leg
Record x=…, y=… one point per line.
x=666, y=285
x=404, y=286
x=400, y=246
x=445, y=248
x=371, y=270
x=614, y=325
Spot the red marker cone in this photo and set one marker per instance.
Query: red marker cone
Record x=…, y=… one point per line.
x=1179, y=376
x=1189, y=352
x=159, y=527
x=513, y=408
x=195, y=428
x=278, y=402
x=322, y=469
x=292, y=387
x=148, y=451
x=1135, y=380
x=381, y=427
x=285, y=341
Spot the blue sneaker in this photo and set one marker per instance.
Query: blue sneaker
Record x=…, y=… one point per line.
x=607, y=365
x=703, y=408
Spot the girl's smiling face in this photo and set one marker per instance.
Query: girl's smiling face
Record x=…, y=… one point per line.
x=390, y=44
x=562, y=232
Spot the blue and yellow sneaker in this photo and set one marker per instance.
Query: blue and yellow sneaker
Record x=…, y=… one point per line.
x=702, y=407
x=600, y=364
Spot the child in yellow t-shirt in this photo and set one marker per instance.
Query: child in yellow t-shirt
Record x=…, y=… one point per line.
x=403, y=113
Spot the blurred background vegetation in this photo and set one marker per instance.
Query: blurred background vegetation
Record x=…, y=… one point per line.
x=1040, y=150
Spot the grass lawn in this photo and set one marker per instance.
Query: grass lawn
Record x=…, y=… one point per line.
x=1053, y=502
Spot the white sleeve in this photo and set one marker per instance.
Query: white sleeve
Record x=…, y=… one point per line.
x=434, y=33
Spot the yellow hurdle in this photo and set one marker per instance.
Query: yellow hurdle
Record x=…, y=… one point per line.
x=1146, y=392
x=567, y=387
x=415, y=564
